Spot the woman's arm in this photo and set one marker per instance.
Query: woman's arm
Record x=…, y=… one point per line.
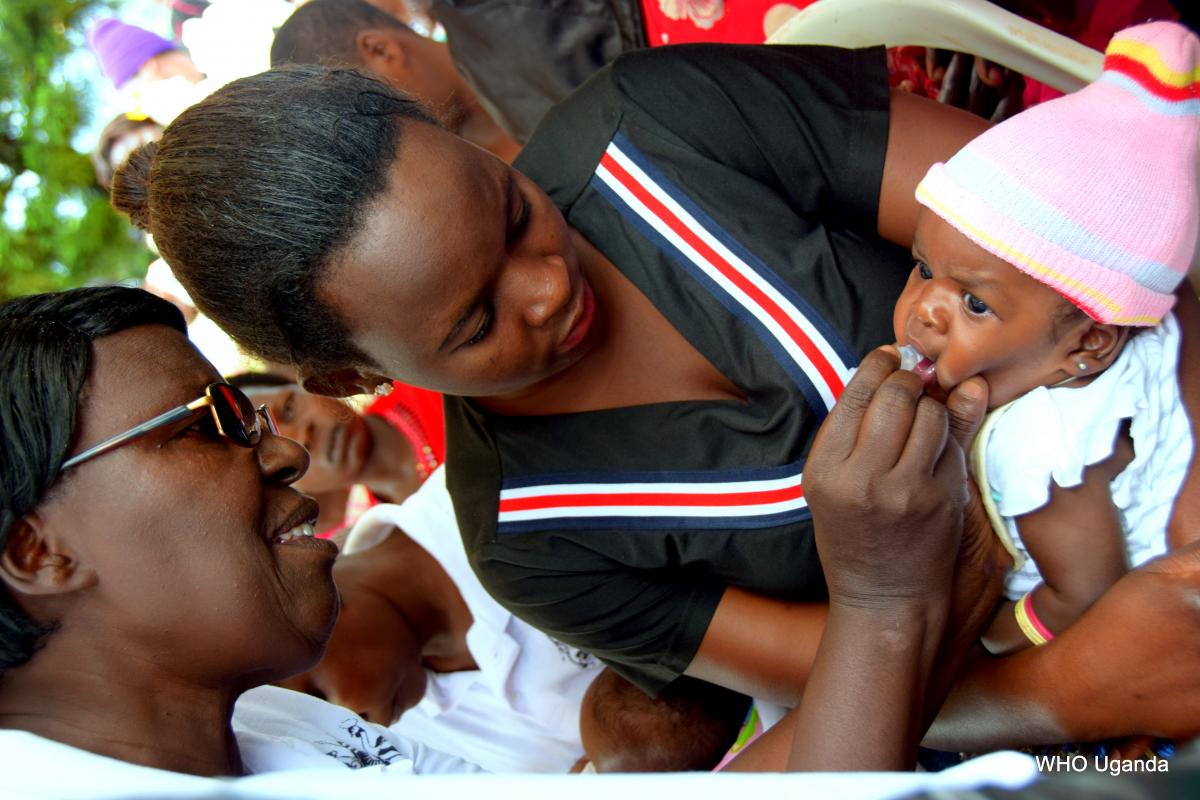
x=1119, y=670
x=921, y=132
x=886, y=483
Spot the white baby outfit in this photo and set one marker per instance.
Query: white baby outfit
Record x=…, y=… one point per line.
x=1053, y=434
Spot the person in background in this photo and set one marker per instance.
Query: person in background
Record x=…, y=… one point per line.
x=355, y=459
x=120, y=136
x=356, y=33
x=690, y=726
x=159, y=75
x=430, y=653
x=158, y=569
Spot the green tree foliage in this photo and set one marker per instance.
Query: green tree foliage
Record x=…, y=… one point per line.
x=57, y=229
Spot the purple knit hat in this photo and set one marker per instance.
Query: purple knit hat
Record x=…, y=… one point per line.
x=123, y=48
x=1094, y=193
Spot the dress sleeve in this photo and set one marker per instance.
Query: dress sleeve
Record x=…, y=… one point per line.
x=646, y=624
x=810, y=122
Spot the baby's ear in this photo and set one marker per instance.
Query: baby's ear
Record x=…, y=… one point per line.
x=1099, y=346
x=36, y=562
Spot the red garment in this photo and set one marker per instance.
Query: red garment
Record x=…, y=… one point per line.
x=416, y=413
x=1094, y=25
x=420, y=406
x=746, y=21
x=730, y=21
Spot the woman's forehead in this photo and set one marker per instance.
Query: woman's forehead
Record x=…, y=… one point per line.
x=136, y=374
x=425, y=245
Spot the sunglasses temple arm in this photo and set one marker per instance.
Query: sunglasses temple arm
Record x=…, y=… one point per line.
x=166, y=418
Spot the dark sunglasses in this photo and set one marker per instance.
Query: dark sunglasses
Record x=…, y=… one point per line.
x=235, y=416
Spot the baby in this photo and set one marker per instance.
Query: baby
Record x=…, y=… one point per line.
x=688, y=727
x=1046, y=254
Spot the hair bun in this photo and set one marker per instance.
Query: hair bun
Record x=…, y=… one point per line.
x=131, y=185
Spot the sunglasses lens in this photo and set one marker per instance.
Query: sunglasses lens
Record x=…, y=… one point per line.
x=236, y=413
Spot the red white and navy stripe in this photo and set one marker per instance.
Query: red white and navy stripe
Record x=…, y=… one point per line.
x=805, y=345
x=723, y=499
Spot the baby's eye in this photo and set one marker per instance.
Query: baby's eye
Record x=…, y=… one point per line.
x=974, y=304
x=924, y=271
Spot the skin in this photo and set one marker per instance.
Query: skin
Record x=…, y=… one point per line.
x=876, y=668
x=389, y=632
x=345, y=448
x=506, y=318
x=526, y=278
x=424, y=68
x=170, y=595
x=973, y=313
x=168, y=64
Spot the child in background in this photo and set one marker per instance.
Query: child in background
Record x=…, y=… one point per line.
x=690, y=726
x=1046, y=254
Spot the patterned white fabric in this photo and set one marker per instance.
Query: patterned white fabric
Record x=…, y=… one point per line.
x=519, y=712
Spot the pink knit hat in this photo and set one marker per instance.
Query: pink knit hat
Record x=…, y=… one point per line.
x=122, y=48
x=1093, y=193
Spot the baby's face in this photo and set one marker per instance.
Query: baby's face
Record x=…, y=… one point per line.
x=973, y=313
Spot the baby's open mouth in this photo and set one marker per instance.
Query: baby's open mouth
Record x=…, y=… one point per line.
x=911, y=359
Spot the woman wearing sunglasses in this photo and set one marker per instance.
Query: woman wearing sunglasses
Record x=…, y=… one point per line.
x=156, y=570
x=157, y=565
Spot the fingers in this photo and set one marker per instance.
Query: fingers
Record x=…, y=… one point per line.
x=990, y=74
x=887, y=427
x=925, y=446
x=967, y=405
x=839, y=433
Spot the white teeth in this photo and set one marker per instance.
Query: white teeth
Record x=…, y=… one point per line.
x=302, y=530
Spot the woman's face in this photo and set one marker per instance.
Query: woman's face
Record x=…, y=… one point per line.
x=180, y=528
x=337, y=438
x=463, y=277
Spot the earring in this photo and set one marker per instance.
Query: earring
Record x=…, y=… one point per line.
x=1082, y=365
x=383, y=389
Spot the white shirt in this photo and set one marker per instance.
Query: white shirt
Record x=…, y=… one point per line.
x=1054, y=434
x=276, y=730
x=519, y=712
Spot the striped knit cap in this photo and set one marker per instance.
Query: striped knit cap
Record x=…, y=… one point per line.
x=1093, y=193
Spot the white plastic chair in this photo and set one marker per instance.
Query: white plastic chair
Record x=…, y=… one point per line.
x=976, y=27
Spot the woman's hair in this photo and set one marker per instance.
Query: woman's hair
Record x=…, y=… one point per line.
x=251, y=192
x=45, y=353
x=259, y=380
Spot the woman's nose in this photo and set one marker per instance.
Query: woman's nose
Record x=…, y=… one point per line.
x=280, y=459
x=545, y=287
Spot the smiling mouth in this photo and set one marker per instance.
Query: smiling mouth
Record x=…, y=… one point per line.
x=300, y=525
